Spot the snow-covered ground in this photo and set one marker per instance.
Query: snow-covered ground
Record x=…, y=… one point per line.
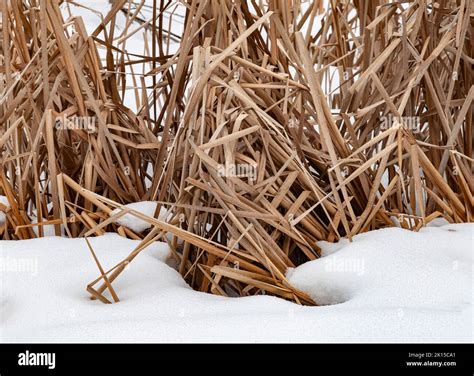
x=389, y=285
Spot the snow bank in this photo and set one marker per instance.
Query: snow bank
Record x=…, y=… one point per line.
x=391, y=285
x=136, y=224
x=393, y=267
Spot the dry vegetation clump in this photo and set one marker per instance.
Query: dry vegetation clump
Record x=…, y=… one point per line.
x=275, y=124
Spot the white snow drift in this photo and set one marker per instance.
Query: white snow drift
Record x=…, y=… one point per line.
x=391, y=285
x=144, y=207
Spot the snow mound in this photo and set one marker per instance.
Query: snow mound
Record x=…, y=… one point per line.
x=392, y=286
x=393, y=267
x=136, y=224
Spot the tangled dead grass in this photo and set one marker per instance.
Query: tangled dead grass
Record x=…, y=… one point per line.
x=275, y=124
